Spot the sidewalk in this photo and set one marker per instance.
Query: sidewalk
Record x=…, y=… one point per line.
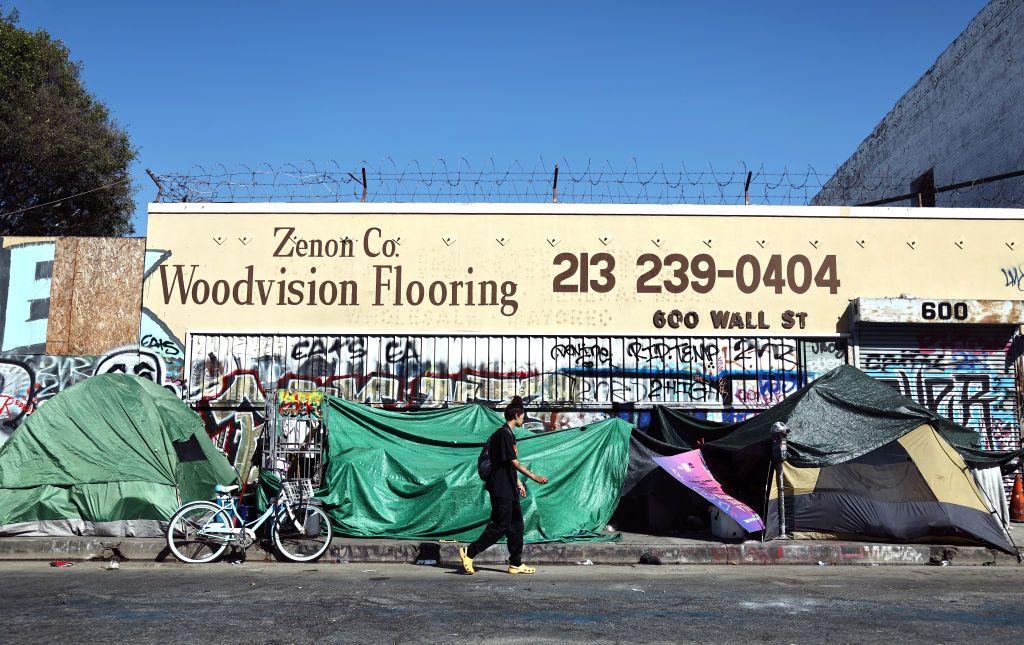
x=665, y=550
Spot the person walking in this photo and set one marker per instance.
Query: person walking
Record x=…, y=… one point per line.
x=505, y=488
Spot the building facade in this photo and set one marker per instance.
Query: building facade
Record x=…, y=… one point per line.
x=583, y=310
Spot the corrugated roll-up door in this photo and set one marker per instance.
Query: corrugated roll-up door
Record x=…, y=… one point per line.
x=959, y=371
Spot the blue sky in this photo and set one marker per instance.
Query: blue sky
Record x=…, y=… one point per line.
x=772, y=83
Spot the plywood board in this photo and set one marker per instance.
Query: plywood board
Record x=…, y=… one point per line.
x=95, y=295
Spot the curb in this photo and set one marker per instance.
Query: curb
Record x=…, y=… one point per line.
x=600, y=553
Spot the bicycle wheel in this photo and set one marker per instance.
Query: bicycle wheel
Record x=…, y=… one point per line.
x=183, y=538
x=307, y=541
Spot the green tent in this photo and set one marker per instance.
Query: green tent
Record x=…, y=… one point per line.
x=113, y=455
x=413, y=475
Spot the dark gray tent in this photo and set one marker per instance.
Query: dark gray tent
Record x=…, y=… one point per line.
x=838, y=417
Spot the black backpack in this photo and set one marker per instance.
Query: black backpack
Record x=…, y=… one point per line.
x=483, y=462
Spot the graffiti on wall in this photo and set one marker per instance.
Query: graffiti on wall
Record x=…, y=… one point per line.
x=563, y=381
x=963, y=377
x=413, y=371
x=1013, y=277
x=27, y=381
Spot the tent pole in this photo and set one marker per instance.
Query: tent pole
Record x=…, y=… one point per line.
x=779, y=432
x=782, y=501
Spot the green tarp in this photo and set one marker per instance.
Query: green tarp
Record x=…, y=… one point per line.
x=413, y=475
x=838, y=417
x=112, y=455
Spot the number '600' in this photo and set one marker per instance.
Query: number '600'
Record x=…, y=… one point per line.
x=944, y=311
x=676, y=319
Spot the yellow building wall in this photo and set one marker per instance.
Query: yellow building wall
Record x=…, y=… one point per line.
x=764, y=270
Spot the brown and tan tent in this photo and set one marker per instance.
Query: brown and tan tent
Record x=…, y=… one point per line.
x=914, y=489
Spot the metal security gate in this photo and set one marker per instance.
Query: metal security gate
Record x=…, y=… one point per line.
x=959, y=371
x=225, y=371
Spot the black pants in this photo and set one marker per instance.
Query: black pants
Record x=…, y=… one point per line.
x=506, y=521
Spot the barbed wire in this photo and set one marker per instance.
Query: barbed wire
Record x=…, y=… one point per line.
x=443, y=181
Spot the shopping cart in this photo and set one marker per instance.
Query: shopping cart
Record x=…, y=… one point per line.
x=294, y=434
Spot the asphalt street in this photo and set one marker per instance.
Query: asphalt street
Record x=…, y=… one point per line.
x=351, y=603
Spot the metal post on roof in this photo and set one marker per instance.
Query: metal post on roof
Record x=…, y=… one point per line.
x=554, y=187
x=159, y=186
x=746, y=188
x=361, y=182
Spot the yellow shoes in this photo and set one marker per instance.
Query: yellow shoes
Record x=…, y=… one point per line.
x=523, y=569
x=468, y=569
x=467, y=562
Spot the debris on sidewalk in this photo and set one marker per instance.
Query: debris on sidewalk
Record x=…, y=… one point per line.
x=112, y=565
x=427, y=563
x=586, y=563
x=112, y=552
x=62, y=563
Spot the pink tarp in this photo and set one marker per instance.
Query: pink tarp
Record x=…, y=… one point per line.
x=690, y=469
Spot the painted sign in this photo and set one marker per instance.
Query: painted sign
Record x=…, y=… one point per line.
x=690, y=469
x=556, y=269
x=943, y=312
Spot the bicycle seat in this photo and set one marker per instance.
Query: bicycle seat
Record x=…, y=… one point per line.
x=225, y=489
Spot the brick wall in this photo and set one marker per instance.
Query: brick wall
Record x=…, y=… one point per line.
x=964, y=117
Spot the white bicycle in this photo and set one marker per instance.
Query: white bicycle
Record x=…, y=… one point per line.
x=300, y=531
